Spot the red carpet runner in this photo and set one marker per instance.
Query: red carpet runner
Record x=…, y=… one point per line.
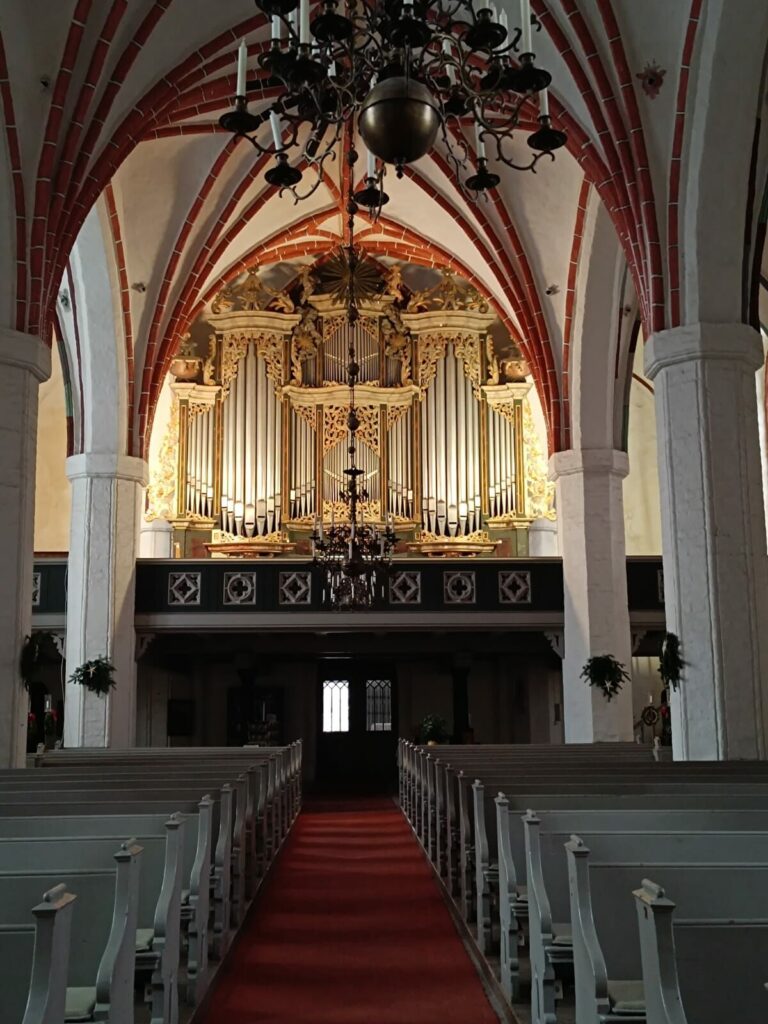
x=352, y=929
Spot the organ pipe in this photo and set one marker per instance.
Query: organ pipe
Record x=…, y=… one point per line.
x=450, y=463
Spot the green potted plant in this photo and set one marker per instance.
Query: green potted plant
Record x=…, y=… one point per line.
x=606, y=673
x=434, y=729
x=96, y=675
x=671, y=664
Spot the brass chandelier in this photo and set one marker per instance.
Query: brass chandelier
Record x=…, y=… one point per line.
x=408, y=73
x=354, y=554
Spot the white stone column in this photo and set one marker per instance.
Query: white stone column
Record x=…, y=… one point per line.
x=107, y=496
x=713, y=529
x=590, y=512
x=24, y=363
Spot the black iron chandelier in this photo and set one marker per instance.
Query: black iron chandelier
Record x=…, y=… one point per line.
x=354, y=554
x=408, y=71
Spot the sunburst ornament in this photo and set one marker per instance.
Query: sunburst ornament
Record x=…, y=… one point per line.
x=351, y=276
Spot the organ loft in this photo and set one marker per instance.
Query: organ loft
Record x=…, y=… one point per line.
x=254, y=451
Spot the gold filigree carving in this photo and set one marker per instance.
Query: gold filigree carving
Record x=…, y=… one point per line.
x=507, y=411
x=539, y=490
x=161, y=491
x=337, y=511
x=395, y=413
x=308, y=413
x=448, y=294
x=195, y=409
x=467, y=349
x=431, y=348
x=252, y=294
x=269, y=346
x=233, y=348
x=335, y=426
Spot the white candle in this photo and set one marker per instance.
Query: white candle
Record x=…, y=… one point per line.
x=525, y=25
x=277, y=129
x=504, y=20
x=371, y=165
x=304, y=23
x=277, y=26
x=332, y=69
x=242, y=60
x=544, y=103
x=450, y=70
x=479, y=141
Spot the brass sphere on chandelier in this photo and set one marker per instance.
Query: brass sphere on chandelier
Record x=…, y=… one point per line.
x=399, y=121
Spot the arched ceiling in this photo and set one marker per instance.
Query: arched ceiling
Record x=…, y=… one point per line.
x=117, y=103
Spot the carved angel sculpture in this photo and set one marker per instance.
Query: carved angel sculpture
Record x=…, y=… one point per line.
x=304, y=345
x=493, y=362
x=397, y=345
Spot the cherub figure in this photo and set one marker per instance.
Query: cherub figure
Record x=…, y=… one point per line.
x=493, y=361
x=307, y=284
x=397, y=345
x=395, y=286
x=304, y=345
x=209, y=365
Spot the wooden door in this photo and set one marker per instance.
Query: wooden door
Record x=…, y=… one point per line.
x=357, y=721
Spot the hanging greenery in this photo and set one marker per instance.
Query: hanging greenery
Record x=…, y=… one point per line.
x=606, y=673
x=97, y=675
x=434, y=729
x=31, y=658
x=671, y=665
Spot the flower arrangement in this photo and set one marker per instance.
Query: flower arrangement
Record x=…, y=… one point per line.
x=31, y=721
x=96, y=675
x=50, y=721
x=606, y=673
x=671, y=665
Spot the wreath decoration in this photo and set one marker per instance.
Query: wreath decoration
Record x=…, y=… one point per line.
x=606, y=673
x=96, y=675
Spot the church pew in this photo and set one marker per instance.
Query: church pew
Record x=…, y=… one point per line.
x=287, y=776
x=549, y=908
x=513, y=897
x=111, y=804
x=196, y=866
x=277, y=808
x=476, y=816
x=103, y=932
x=248, y=822
x=158, y=932
x=478, y=840
x=721, y=937
x=257, y=807
x=34, y=960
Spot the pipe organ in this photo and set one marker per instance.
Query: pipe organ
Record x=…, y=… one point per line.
x=262, y=422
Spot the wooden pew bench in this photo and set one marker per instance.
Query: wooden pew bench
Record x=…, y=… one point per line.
x=100, y=972
x=195, y=895
x=721, y=937
x=222, y=891
x=549, y=906
x=34, y=961
x=158, y=928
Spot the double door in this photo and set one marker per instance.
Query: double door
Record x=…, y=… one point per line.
x=357, y=726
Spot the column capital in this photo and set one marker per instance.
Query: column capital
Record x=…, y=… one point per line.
x=109, y=465
x=596, y=461
x=698, y=342
x=25, y=352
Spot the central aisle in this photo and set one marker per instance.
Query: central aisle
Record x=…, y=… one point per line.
x=352, y=929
